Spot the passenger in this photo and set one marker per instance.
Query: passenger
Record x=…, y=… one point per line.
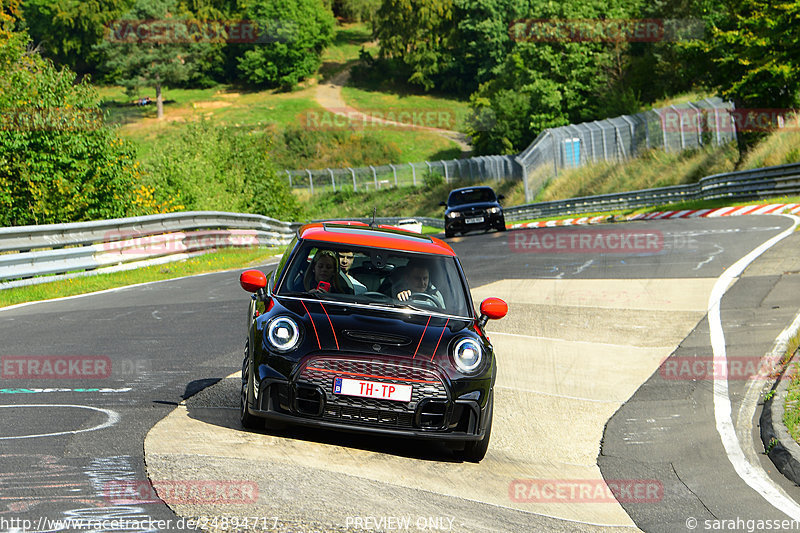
x=417, y=279
x=324, y=267
x=345, y=262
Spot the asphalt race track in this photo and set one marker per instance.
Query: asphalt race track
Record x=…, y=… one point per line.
x=604, y=421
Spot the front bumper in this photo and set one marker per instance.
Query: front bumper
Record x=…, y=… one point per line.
x=459, y=224
x=437, y=410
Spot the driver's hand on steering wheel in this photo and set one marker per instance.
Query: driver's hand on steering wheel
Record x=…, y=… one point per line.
x=404, y=295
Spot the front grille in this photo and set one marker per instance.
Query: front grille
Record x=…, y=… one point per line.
x=322, y=371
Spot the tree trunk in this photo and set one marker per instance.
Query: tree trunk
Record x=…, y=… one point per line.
x=159, y=102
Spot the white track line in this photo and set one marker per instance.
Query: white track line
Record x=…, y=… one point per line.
x=754, y=476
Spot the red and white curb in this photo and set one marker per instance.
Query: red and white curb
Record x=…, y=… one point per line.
x=760, y=209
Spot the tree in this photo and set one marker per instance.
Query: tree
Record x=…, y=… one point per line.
x=755, y=53
x=416, y=33
x=292, y=34
x=152, y=47
x=59, y=162
x=67, y=31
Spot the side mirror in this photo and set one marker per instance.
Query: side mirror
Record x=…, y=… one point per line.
x=500, y=197
x=443, y=204
x=252, y=280
x=492, y=308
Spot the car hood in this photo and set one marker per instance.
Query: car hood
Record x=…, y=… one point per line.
x=333, y=327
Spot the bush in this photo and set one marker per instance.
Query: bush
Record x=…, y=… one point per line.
x=59, y=162
x=207, y=167
x=299, y=31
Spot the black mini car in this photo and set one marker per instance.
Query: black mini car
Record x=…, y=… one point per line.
x=473, y=208
x=389, y=344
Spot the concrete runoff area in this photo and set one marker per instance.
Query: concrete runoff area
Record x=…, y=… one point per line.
x=570, y=353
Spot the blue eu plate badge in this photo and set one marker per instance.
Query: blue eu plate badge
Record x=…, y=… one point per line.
x=337, y=385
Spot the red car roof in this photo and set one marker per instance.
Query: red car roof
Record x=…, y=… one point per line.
x=361, y=234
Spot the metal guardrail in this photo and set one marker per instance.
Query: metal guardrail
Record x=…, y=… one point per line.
x=765, y=182
x=118, y=244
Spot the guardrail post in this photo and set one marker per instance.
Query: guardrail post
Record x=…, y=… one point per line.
x=333, y=180
x=310, y=182
x=353, y=173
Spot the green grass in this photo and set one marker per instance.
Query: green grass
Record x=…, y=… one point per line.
x=654, y=168
x=225, y=259
x=791, y=413
x=424, y=110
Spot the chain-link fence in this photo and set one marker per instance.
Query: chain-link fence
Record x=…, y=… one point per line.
x=493, y=167
x=674, y=128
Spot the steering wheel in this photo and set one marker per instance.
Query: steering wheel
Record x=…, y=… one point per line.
x=426, y=298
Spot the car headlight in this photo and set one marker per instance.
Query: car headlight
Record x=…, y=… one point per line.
x=453, y=214
x=467, y=355
x=493, y=210
x=283, y=334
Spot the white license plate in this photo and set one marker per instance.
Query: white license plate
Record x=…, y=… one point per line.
x=475, y=220
x=372, y=389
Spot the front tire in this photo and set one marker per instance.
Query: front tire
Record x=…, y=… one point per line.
x=247, y=420
x=475, y=450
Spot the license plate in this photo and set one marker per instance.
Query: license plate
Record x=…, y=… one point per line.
x=475, y=220
x=372, y=389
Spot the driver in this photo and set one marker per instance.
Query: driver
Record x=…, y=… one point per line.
x=417, y=279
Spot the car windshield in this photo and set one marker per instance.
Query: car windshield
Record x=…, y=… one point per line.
x=376, y=277
x=471, y=196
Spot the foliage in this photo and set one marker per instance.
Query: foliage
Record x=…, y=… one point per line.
x=547, y=83
x=66, y=32
x=211, y=167
x=415, y=33
x=59, y=162
x=337, y=148
x=147, y=48
x=356, y=10
x=297, y=32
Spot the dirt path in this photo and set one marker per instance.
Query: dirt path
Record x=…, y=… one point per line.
x=329, y=96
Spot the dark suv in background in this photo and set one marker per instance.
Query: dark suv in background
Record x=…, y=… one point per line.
x=473, y=208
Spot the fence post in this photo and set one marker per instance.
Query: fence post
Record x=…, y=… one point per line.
x=446, y=177
x=374, y=177
x=290, y=178
x=310, y=182
x=413, y=174
x=333, y=181
x=353, y=173
x=394, y=171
